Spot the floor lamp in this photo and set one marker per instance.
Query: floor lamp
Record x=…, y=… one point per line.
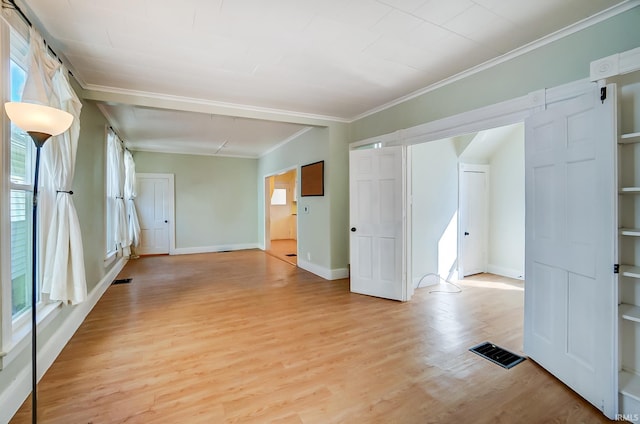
x=40, y=122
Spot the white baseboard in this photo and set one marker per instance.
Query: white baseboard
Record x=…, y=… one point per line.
x=13, y=395
x=339, y=273
x=505, y=272
x=326, y=273
x=213, y=249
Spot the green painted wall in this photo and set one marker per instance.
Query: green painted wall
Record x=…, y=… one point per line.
x=215, y=197
x=314, y=238
x=89, y=190
x=555, y=64
x=338, y=177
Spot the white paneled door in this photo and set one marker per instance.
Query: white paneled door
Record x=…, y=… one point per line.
x=377, y=222
x=474, y=185
x=570, y=295
x=155, y=209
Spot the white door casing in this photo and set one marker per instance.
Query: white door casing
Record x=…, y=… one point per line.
x=473, y=204
x=154, y=203
x=570, y=296
x=377, y=220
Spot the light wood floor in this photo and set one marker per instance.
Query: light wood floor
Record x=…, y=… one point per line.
x=242, y=337
x=282, y=248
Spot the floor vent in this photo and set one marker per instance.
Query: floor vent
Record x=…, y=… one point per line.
x=122, y=281
x=497, y=355
x=291, y=254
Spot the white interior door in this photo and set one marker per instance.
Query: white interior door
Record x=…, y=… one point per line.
x=377, y=222
x=474, y=184
x=155, y=209
x=570, y=294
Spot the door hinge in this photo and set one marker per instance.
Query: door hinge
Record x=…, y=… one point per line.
x=603, y=94
x=616, y=268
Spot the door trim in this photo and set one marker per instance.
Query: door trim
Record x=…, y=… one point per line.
x=170, y=205
x=266, y=241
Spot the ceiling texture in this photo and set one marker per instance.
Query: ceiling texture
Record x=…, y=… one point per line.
x=241, y=77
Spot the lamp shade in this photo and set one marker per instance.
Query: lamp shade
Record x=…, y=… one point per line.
x=33, y=117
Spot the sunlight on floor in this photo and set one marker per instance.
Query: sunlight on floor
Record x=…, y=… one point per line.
x=436, y=284
x=490, y=284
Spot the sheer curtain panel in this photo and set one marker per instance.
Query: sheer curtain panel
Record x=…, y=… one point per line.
x=115, y=161
x=63, y=273
x=130, y=194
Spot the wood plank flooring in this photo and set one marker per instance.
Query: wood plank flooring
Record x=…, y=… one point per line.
x=242, y=337
x=281, y=248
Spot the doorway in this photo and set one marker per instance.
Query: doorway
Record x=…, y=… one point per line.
x=155, y=206
x=439, y=213
x=281, y=216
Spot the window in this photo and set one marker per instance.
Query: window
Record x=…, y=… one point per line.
x=111, y=245
x=17, y=153
x=21, y=180
x=279, y=197
x=114, y=225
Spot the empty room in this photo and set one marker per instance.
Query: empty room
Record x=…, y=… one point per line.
x=402, y=211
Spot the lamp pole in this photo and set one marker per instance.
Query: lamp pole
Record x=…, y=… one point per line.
x=39, y=139
x=40, y=122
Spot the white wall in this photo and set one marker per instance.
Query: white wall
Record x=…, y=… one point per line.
x=506, y=207
x=434, y=173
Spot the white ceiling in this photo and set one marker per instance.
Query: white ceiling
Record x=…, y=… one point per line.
x=175, y=131
x=328, y=59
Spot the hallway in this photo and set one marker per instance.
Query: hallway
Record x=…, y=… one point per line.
x=285, y=250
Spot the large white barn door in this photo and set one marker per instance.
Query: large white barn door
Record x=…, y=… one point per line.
x=570, y=303
x=377, y=222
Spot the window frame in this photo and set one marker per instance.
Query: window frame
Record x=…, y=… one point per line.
x=14, y=331
x=111, y=249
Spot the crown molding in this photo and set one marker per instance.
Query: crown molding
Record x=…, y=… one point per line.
x=134, y=148
x=548, y=39
x=192, y=104
x=103, y=93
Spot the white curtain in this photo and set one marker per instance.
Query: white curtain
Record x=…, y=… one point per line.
x=130, y=194
x=115, y=162
x=62, y=259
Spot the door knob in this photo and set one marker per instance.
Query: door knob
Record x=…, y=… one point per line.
x=353, y=229
x=466, y=234
x=166, y=222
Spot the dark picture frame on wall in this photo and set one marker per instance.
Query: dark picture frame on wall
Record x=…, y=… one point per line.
x=312, y=179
